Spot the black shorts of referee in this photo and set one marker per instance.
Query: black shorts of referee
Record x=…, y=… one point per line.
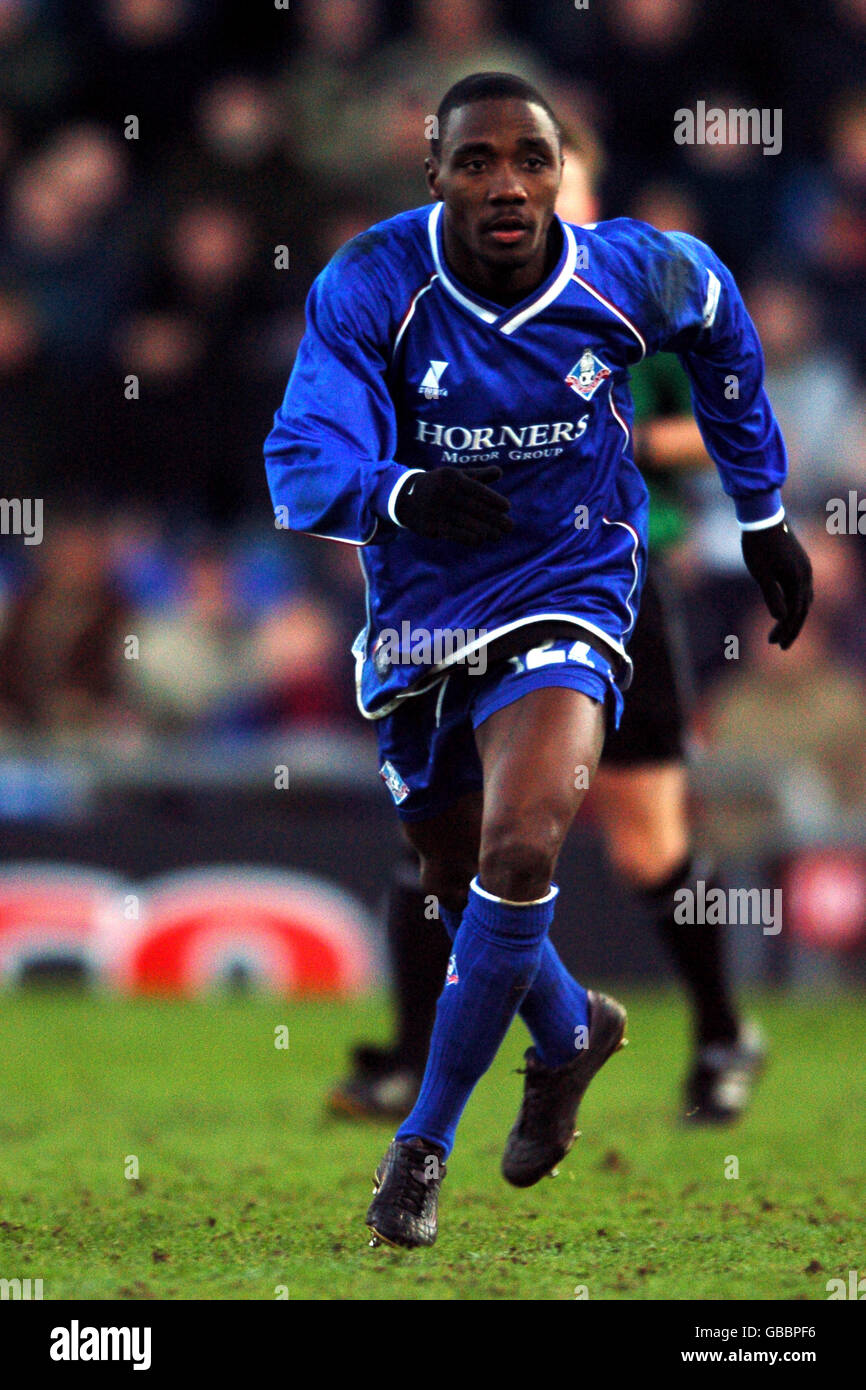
x=659, y=701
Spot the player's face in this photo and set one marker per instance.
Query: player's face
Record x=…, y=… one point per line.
x=498, y=174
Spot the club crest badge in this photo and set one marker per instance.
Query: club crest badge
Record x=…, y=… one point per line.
x=451, y=976
x=587, y=374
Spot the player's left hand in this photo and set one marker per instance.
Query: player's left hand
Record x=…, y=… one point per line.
x=778, y=563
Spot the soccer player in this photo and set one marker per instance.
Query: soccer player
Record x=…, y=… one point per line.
x=459, y=410
x=639, y=793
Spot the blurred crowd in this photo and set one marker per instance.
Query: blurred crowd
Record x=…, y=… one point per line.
x=175, y=172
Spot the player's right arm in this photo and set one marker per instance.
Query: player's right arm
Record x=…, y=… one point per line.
x=330, y=455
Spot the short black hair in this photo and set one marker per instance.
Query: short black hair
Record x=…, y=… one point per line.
x=489, y=86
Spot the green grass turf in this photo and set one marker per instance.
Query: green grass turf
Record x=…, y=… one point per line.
x=244, y=1186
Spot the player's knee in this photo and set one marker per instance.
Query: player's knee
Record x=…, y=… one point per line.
x=517, y=860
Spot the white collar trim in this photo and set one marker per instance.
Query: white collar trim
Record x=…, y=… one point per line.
x=477, y=309
x=508, y=325
x=553, y=291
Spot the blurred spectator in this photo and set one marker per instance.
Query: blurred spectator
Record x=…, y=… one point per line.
x=8, y=142
x=62, y=238
x=669, y=206
x=36, y=71
x=641, y=60
x=28, y=405
x=303, y=667
x=632, y=59
x=820, y=407
x=188, y=437
x=815, y=393
x=19, y=333
x=410, y=76
x=61, y=646
x=205, y=665
x=146, y=330
x=194, y=659
x=820, y=55
x=235, y=153
x=321, y=91
x=840, y=591
x=582, y=169
x=824, y=219
x=735, y=172
x=143, y=58
x=804, y=709
x=148, y=571
x=209, y=258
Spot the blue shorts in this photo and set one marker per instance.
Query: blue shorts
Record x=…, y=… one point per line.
x=427, y=752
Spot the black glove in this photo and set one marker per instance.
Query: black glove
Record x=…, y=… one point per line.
x=779, y=564
x=454, y=504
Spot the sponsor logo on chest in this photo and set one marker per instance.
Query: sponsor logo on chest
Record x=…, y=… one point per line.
x=478, y=444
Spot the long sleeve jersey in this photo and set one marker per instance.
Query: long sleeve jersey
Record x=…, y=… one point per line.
x=403, y=367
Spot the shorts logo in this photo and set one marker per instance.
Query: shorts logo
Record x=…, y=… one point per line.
x=430, y=388
x=451, y=976
x=587, y=375
x=394, y=782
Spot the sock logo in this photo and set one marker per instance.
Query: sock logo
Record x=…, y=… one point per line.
x=451, y=976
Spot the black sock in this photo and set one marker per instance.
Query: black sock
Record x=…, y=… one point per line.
x=698, y=953
x=419, y=949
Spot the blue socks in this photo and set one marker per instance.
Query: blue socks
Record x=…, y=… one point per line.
x=553, y=1009
x=497, y=952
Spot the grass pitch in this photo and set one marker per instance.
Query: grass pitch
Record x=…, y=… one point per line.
x=244, y=1190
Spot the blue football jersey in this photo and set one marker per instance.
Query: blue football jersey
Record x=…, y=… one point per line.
x=403, y=367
